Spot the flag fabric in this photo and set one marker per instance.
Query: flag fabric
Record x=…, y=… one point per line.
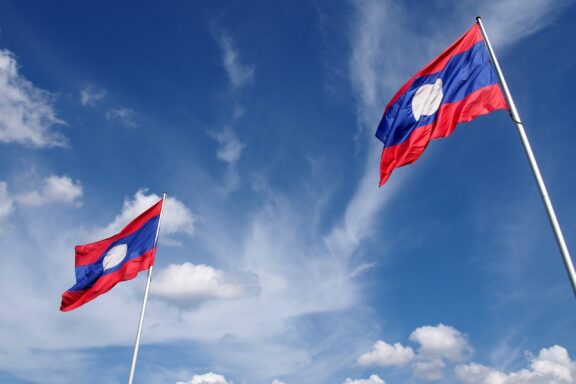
x=457, y=86
x=105, y=263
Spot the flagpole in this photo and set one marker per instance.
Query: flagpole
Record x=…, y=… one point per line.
x=539, y=180
x=148, y=280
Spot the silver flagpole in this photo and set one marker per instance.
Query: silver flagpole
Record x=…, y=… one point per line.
x=148, y=280
x=543, y=192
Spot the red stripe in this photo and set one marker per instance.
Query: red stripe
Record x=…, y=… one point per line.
x=73, y=299
x=89, y=253
x=480, y=102
x=464, y=43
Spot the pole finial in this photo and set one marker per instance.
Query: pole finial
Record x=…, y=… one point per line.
x=478, y=18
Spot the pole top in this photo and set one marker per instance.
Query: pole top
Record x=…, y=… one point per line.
x=478, y=18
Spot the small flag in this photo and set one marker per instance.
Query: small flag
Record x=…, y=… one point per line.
x=105, y=263
x=457, y=86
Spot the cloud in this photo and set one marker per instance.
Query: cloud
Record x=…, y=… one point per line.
x=553, y=365
x=441, y=341
x=239, y=74
x=385, y=354
x=429, y=368
x=124, y=116
x=207, y=378
x=438, y=345
x=176, y=218
x=6, y=204
x=26, y=112
x=189, y=284
x=91, y=96
x=54, y=189
x=276, y=381
x=373, y=379
x=508, y=21
x=230, y=146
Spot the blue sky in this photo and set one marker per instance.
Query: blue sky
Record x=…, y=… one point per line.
x=280, y=259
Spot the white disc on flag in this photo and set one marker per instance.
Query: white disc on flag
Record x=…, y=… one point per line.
x=115, y=256
x=427, y=99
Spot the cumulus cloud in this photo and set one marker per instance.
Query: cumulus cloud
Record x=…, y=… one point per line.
x=276, y=381
x=189, y=284
x=430, y=368
x=239, y=74
x=438, y=345
x=177, y=218
x=373, y=379
x=91, y=96
x=54, y=189
x=441, y=341
x=385, y=354
x=126, y=117
x=27, y=115
x=552, y=366
x=207, y=378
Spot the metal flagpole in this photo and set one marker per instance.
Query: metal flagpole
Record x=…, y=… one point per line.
x=543, y=192
x=148, y=280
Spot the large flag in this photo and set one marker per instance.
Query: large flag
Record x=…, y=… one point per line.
x=105, y=263
x=457, y=86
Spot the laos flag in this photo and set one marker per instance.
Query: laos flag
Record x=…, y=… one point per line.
x=105, y=263
x=457, y=86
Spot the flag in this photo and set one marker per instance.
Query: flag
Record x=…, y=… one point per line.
x=457, y=86
x=105, y=263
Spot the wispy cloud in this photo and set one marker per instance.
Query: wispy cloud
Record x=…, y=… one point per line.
x=239, y=74
x=6, y=204
x=90, y=96
x=27, y=114
x=126, y=117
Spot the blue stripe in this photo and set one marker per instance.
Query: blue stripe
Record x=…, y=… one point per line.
x=138, y=243
x=463, y=74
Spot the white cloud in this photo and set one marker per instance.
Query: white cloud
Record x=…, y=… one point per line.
x=373, y=379
x=26, y=112
x=438, y=345
x=552, y=366
x=189, y=284
x=429, y=368
x=507, y=21
x=54, y=189
x=441, y=341
x=230, y=148
x=124, y=116
x=6, y=203
x=207, y=378
x=276, y=381
x=239, y=74
x=176, y=218
x=91, y=96
x=385, y=354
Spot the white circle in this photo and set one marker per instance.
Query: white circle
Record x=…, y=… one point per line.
x=115, y=256
x=427, y=99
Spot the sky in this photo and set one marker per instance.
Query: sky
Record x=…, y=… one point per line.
x=280, y=260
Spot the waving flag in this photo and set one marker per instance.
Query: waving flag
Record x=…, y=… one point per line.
x=457, y=86
x=102, y=265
